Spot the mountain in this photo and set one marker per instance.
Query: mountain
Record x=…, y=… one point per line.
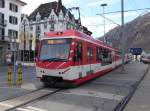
x=137, y=33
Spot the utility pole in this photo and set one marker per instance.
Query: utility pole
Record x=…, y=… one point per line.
x=123, y=37
x=103, y=6
x=15, y=50
x=24, y=41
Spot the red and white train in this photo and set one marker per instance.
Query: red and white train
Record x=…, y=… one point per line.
x=72, y=58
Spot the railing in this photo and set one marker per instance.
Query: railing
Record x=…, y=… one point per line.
x=3, y=23
x=1, y=37
x=4, y=38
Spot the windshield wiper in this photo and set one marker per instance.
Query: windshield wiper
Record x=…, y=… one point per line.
x=53, y=59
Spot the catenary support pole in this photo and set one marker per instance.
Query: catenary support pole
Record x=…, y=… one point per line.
x=123, y=37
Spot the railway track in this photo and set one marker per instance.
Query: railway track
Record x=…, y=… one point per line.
x=17, y=102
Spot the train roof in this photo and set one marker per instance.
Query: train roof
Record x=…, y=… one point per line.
x=79, y=35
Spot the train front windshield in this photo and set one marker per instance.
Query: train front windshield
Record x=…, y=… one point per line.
x=55, y=50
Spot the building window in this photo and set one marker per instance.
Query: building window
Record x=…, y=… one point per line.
x=1, y=19
x=52, y=27
x=68, y=26
x=38, y=19
x=31, y=28
x=9, y=46
x=13, y=7
x=13, y=20
x=52, y=17
x=31, y=35
x=2, y=33
x=30, y=44
x=38, y=28
x=2, y=3
x=38, y=31
x=13, y=34
x=45, y=25
x=38, y=35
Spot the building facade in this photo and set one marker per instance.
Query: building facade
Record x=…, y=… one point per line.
x=47, y=17
x=10, y=18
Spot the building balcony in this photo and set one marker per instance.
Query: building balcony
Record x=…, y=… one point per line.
x=4, y=38
x=52, y=21
x=3, y=23
x=1, y=37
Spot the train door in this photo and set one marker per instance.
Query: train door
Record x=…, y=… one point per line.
x=78, y=56
x=90, y=55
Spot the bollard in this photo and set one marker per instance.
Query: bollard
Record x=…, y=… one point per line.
x=9, y=76
x=19, y=78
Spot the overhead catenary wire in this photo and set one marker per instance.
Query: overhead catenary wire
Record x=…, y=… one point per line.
x=132, y=10
x=144, y=12
x=147, y=9
x=109, y=19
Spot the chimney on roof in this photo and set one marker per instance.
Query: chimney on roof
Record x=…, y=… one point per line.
x=59, y=6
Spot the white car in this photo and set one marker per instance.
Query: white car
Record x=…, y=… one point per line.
x=145, y=58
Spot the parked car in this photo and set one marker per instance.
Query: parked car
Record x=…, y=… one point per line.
x=145, y=58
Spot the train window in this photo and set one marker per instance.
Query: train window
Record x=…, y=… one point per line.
x=118, y=53
x=90, y=53
x=98, y=54
x=78, y=52
x=106, y=57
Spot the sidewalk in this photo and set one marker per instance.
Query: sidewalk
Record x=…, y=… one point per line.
x=30, y=83
x=141, y=99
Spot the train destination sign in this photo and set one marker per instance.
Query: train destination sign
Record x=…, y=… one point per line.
x=59, y=41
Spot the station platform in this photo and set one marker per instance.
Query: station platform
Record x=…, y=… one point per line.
x=141, y=99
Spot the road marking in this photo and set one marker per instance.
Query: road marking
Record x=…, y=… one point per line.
x=24, y=109
x=36, y=109
x=6, y=105
x=30, y=108
x=84, y=92
x=29, y=86
x=9, y=88
x=111, y=84
x=61, y=106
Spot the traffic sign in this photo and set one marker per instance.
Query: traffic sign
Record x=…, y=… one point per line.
x=136, y=51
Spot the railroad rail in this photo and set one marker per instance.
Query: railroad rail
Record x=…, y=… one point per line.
x=17, y=102
x=125, y=101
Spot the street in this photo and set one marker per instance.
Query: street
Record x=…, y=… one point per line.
x=102, y=94
x=74, y=55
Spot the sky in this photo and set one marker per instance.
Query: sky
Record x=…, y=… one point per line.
x=91, y=8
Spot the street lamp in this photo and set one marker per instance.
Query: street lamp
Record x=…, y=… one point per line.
x=24, y=39
x=103, y=6
x=15, y=58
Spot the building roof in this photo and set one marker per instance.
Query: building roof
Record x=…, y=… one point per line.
x=45, y=10
x=59, y=6
x=23, y=3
